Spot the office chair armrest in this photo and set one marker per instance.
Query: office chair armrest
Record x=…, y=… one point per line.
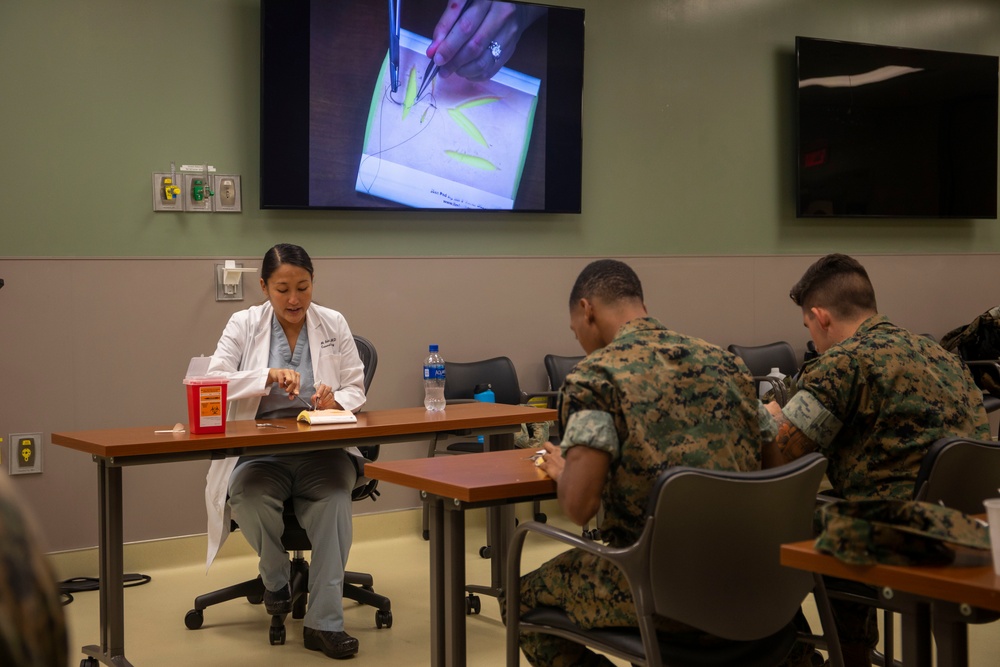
x=526, y=395
x=982, y=362
x=824, y=499
x=777, y=386
x=513, y=593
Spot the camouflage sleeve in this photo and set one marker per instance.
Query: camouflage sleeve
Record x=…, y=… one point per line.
x=808, y=415
x=591, y=428
x=828, y=388
x=768, y=426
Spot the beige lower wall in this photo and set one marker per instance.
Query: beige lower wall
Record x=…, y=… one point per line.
x=95, y=343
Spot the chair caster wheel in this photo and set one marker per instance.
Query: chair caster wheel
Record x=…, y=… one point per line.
x=383, y=619
x=541, y=518
x=485, y=552
x=473, y=605
x=255, y=598
x=277, y=635
x=194, y=618
x=426, y=535
x=88, y=662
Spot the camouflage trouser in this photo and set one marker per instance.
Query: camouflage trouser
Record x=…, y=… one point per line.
x=594, y=594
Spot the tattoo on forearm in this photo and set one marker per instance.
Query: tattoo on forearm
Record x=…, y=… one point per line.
x=792, y=442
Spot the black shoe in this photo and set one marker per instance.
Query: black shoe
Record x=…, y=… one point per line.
x=335, y=645
x=278, y=602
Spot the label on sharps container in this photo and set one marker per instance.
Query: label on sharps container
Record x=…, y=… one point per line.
x=210, y=401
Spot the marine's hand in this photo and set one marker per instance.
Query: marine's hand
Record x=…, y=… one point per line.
x=551, y=462
x=463, y=40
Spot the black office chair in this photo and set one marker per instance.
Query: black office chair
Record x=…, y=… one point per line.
x=358, y=586
x=956, y=472
x=556, y=369
x=461, y=380
x=760, y=359
x=708, y=557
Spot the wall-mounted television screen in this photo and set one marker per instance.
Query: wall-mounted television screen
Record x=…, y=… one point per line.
x=421, y=104
x=895, y=132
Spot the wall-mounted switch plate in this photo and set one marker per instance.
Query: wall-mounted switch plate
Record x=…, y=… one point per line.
x=228, y=193
x=197, y=192
x=25, y=455
x=227, y=292
x=167, y=191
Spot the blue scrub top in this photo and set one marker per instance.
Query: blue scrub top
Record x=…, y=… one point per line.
x=275, y=404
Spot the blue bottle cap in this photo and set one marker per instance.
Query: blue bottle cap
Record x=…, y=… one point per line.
x=433, y=348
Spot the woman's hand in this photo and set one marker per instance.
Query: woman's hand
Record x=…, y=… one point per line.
x=286, y=378
x=324, y=400
x=475, y=39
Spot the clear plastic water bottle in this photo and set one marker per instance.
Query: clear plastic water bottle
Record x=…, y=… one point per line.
x=434, y=380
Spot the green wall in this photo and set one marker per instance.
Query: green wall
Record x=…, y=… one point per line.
x=687, y=133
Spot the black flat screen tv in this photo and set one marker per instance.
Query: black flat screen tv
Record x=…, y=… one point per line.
x=896, y=132
x=335, y=135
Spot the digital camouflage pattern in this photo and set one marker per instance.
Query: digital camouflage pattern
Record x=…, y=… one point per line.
x=897, y=532
x=979, y=340
x=672, y=400
x=652, y=399
x=874, y=403
x=32, y=626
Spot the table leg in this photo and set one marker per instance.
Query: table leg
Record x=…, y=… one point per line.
x=454, y=588
x=500, y=525
x=917, y=636
x=435, y=512
x=951, y=635
x=110, y=554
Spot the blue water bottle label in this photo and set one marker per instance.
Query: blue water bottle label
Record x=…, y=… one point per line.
x=433, y=372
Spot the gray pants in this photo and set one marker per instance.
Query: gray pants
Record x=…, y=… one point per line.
x=320, y=485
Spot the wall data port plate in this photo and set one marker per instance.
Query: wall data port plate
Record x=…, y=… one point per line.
x=197, y=192
x=25, y=454
x=228, y=193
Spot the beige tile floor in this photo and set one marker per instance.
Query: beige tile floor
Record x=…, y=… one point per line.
x=235, y=634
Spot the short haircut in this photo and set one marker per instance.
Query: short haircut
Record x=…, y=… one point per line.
x=609, y=280
x=838, y=283
x=285, y=253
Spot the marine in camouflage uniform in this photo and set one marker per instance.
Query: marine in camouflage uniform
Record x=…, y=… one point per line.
x=651, y=399
x=32, y=627
x=876, y=402
x=872, y=402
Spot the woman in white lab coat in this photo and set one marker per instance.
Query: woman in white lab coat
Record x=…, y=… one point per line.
x=279, y=356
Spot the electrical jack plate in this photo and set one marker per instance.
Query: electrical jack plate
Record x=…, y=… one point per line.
x=188, y=189
x=228, y=193
x=220, y=289
x=160, y=201
x=24, y=453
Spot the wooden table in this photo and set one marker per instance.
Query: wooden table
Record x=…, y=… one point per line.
x=945, y=598
x=113, y=449
x=450, y=485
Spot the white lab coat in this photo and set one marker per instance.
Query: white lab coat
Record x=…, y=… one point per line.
x=242, y=356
